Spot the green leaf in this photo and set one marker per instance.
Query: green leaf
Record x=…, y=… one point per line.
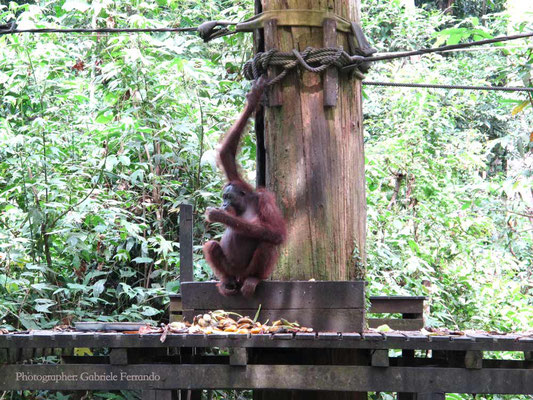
x=413, y=245
x=149, y=311
x=105, y=117
x=99, y=287
x=519, y=108
x=142, y=260
x=77, y=287
x=454, y=39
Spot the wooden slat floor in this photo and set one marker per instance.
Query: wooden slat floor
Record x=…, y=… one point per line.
x=368, y=340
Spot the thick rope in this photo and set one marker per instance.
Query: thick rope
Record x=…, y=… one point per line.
x=311, y=59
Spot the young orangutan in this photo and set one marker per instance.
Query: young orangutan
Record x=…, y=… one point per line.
x=248, y=250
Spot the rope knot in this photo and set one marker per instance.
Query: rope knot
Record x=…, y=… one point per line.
x=311, y=59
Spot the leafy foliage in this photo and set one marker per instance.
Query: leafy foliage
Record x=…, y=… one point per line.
x=103, y=136
x=449, y=177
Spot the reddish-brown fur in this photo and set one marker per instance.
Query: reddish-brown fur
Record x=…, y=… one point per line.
x=248, y=250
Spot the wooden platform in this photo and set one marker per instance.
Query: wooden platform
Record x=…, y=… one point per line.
x=320, y=340
x=131, y=361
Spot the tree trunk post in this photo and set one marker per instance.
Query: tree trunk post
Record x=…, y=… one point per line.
x=315, y=158
x=314, y=163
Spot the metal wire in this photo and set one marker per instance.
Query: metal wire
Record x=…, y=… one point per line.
x=212, y=29
x=461, y=87
x=98, y=30
x=359, y=59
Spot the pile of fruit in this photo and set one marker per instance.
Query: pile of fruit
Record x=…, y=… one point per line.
x=220, y=321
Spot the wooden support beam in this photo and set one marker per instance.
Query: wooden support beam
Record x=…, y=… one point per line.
x=13, y=355
x=380, y=358
x=315, y=157
x=3, y=356
x=238, y=356
x=331, y=75
x=474, y=359
x=157, y=395
x=118, y=357
x=430, y=396
x=279, y=377
x=26, y=354
x=186, y=262
x=175, y=309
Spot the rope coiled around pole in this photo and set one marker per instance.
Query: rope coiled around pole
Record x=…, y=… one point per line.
x=311, y=59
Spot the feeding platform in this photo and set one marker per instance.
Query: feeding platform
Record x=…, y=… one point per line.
x=455, y=363
x=414, y=363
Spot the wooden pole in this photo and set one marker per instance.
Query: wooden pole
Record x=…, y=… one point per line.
x=314, y=162
x=315, y=158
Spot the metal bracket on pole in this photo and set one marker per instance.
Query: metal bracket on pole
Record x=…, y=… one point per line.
x=275, y=98
x=331, y=75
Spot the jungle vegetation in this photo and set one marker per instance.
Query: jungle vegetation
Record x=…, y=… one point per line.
x=103, y=136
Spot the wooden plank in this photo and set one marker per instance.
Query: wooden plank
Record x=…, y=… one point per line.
x=175, y=309
x=277, y=295
x=401, y=305
x=286, y=377
x=329, y=320
x=186, y=264
x=394, y=340
x=480, y=337
x=397, y=324
x=3, y=356
x=275, y=96
x=328, y=336
x=374, y=336
x=283, y=336
x=305, y=336
x=331, y=75
x=351, y=336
